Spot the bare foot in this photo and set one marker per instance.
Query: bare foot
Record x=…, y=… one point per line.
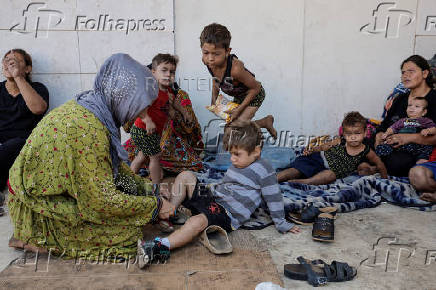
x=420, y=161
x=19, y=245
x=428, y=196
x=14, y=243
x=35, y=249
x=270, y=126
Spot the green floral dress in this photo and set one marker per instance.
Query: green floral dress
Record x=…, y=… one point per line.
x=64, y=197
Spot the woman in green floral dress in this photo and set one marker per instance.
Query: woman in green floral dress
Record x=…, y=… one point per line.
x=70, y=191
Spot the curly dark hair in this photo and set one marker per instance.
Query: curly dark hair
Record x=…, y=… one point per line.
x=354, y=119
x=216, y=34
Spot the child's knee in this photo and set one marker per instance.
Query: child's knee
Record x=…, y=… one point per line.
x=418, y=176
x=330, y=175
x=198, y=222
x=156, y=157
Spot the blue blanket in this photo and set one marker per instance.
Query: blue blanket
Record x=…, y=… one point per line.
x=348, y=195
x=351, y=193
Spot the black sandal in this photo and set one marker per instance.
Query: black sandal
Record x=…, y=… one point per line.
x=315, y=275
x=324, y=228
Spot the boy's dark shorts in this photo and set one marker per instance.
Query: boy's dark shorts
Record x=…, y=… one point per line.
x=309, y=165
x=203, y=201
x=148, y=144
x=256, y=102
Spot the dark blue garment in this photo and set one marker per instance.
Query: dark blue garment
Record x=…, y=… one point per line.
x=309, y=165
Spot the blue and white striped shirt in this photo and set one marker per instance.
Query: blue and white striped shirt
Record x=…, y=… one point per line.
x=241, y=191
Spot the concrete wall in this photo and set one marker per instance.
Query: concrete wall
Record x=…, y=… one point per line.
x=317, y=59
x=69, y=40
x=313, y=57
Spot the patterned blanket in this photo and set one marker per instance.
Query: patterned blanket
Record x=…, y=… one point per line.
x=354, y=193
x=351, y=193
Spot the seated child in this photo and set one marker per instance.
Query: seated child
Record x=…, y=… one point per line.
x=230, y=75
x=146, y=135
x=339, y=161
x=414, y=123
x=246, y=183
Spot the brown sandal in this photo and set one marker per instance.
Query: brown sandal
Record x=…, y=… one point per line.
x=309, y=214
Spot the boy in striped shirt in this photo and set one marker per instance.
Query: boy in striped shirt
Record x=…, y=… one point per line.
x=249, y=182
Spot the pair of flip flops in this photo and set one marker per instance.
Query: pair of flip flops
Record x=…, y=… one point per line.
x=215, y=239
x=322, y=220
x=318, y=273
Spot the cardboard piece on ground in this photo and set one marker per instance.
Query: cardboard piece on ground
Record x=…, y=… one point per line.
x=191, y=267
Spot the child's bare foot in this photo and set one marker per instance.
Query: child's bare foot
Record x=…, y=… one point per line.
x=420, y=161
x=428, y=196
x=270, y=126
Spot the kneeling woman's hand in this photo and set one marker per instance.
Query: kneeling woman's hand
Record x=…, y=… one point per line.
x=167, y=210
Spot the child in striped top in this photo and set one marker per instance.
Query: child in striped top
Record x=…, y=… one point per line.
x=247, y=183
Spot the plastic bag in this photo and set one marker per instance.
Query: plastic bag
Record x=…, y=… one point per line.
x=222, y=104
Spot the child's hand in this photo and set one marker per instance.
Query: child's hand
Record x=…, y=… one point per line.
x=295, y=230
x=426, y=132
x=151, y=126
x=384, y=136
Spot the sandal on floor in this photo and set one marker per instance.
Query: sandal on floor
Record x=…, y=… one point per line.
x=309, y=214
x=216, y=240
x=299, y=272
x=318, y=273
x=324, y=228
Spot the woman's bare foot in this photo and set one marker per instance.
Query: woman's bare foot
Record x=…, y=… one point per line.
x=270, y=126
x=14, y=243
x=35, y=249
x=428, y=196
x=420, y=161
x=19, y=245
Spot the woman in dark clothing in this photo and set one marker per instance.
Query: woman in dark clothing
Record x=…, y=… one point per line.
x=22, y=105
x=417, y=77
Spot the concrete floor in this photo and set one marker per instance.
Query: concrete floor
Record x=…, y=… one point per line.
x=392, y=247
